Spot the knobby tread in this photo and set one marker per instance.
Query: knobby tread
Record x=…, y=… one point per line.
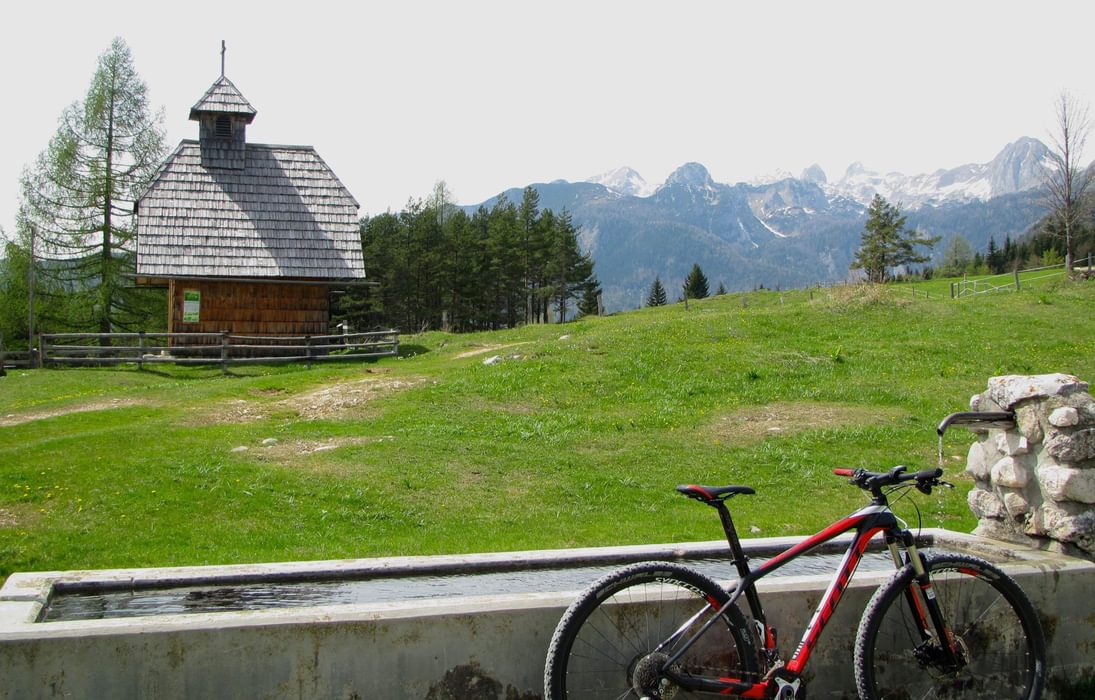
x=606, y=586
x=894, y=588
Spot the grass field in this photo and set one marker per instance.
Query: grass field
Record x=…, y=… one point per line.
x=575, y=436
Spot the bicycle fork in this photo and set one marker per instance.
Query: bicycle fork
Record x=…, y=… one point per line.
x=938, y=646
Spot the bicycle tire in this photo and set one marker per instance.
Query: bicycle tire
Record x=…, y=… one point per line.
x=993, y=621
x=607, y=632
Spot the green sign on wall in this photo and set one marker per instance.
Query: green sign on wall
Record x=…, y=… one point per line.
x=192, y=304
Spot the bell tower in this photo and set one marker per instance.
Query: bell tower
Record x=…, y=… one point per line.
x=223, y=115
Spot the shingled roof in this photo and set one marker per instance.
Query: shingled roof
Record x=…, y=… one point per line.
x=223, y=98
x=222, y=207
x=285, y=214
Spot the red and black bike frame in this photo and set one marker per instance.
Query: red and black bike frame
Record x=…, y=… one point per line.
x=874, y=519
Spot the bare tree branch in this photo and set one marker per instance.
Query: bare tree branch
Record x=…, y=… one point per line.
x=1067, y=181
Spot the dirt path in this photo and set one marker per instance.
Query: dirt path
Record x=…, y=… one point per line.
x=12, y=419
x=487, y=348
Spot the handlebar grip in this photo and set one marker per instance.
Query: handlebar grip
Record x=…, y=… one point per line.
x=927, y=474
x=843, y=472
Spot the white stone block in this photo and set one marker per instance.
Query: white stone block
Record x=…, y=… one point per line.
x=1066, y=527
x=1010, y=473
x=1011, y=443
x=976, y=464
x=1075, y=447
x=1030, y=425
x=1016, y=504
x=1011, y=389
x=985, y=504
x=1066, y=484
x=1064, y=417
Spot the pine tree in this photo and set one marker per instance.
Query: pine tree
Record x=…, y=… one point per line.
x=590, y=303
x=885, y=243
x=721, y=290
x=568, y=269
x=534, y=250
x=695, y=284
x=506, y=275
x=657, y=296
x=79, y=196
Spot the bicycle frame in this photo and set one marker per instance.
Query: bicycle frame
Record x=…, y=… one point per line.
x=867, y=522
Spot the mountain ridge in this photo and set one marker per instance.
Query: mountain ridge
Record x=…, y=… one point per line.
x=779, y=232
x=1017, y=167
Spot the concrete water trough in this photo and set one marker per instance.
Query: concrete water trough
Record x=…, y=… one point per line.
x=474, y=626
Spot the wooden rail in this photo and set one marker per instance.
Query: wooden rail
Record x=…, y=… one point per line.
x=13, y=359
x=222, y=348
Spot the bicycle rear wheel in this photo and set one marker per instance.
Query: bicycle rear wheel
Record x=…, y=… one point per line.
x=614, y=637
x=996, y=630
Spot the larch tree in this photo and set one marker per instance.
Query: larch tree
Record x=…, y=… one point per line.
x=1067, y=181
x=78, y=198
x=957, y=258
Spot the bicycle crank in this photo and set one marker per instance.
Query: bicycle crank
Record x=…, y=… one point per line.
x=788, y=686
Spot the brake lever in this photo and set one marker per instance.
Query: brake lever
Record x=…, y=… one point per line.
x=925, y=487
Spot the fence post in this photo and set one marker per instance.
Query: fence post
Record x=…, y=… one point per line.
x=140, y=350
x=224, y=352
x=308, y=350
x=42, y=354
x=1016, y=272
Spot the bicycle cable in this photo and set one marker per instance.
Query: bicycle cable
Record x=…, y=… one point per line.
x=904, y=492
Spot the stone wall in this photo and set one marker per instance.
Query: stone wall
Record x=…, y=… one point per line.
x=1035, y=483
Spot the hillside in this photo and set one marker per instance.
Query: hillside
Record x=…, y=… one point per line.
x=574, y=435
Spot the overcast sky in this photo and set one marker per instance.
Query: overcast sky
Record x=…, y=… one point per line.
x=489, y=95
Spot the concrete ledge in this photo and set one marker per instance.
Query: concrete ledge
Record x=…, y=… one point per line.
x=481, y=647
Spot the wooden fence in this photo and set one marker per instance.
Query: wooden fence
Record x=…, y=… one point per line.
x=13, y=359
x=222, y=348
x=1006, y=282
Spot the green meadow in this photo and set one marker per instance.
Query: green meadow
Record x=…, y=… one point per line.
x=574, y=435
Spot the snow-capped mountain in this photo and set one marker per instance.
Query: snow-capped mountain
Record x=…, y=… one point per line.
x=780, y=231
x=772, y=177
x=625, y=181
x=1017, y=168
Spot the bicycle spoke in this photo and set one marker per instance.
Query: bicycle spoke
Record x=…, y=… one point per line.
x=998, y=642
x=629, y=623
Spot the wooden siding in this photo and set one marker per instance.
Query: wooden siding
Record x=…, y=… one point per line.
x=249, y=308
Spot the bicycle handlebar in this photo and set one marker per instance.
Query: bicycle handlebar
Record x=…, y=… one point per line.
x=875, y=481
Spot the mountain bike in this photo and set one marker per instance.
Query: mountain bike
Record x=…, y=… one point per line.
x=945, y=625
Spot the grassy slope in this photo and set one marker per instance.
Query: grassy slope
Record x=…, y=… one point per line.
x=576, y=441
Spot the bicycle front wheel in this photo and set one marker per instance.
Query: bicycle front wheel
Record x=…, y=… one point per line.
x=998, y=639
x=612, y=640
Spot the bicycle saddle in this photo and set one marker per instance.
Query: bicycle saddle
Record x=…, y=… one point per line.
x=711, y=494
